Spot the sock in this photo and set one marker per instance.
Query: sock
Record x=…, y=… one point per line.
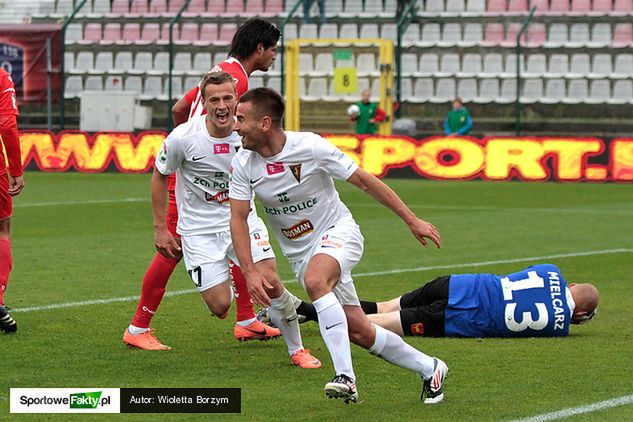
x=333, y=327
x=243, y=301
x=246, y=322
x=282, y=313
x=369, y=307
x=393, y=349
x=6, y=263
x=308, y=310
x=153, y=289
x=134, y=330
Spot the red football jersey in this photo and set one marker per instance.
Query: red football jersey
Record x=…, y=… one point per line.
x=231, y=66
x=8, y=102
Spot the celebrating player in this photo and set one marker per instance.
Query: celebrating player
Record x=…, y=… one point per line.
x=292, y=175
x=201, y=151
x=11, y=184
x=253, y=47
x=534, y=302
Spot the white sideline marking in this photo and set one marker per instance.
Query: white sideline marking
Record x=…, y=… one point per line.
x=89, y=202
x=566, y=413
x=369, y=274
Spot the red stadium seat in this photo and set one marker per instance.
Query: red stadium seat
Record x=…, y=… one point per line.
x=92, y=34
x=150, y=33
x=111, y=33
x=119, y=8
x=208, y=34
x=623, y=35
x=559, y=7
x=188, y=33
x=254, y=8
x=580, y=7
x=225, y=35
x=130, y=34
x=216, y=7
x=139, y=7
x=157, y=7
x=622, y=7
x=493, y=35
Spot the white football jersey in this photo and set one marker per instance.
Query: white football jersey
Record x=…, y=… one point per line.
x=295, y=187
x=201, y=163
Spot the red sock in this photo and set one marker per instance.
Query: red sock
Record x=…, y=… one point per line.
x=242, y=297
x=6, y=262
x=154, y=283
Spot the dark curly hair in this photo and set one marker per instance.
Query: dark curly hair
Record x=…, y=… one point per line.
x=250, y=34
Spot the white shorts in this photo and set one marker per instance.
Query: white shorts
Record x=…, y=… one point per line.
x=207, y=256
x=344, y=243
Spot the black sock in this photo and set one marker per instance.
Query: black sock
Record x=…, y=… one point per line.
x=369, y=307
x=308, y=310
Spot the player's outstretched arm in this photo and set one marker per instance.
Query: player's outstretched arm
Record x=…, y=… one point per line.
x=163, y=239
x=421, y=229
x=256, y=282
x=180, y=111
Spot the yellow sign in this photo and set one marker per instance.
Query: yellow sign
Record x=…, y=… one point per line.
x=345, y=80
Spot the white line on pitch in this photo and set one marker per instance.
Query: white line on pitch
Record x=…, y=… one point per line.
x=88, y=202
x=356, y=275
x=566, y=413
x=489, y=208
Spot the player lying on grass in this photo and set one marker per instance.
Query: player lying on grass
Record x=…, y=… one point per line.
x=200, y=151
x=534, y=302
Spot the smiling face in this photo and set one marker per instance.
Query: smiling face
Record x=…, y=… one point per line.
x=248, y=125
x=219, y=101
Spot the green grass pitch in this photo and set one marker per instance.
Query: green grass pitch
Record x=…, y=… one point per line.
x=88, y=237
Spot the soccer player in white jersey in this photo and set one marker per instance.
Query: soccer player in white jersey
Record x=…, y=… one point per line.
x=200, y=152
x=292, y=175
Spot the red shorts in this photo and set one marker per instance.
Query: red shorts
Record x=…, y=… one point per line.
x=6, y=202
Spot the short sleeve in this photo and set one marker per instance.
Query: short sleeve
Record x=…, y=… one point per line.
x=334, y=161
x=239, y=187
x=170, y=156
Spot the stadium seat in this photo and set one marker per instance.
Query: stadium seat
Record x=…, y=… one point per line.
x=474, y=8
x=182, y=63
x=123, y=62
x=201, y=63
x=120, y=8
x=511, y=36
x=622, y=35
x=444, y=91
x=255, y=82
x=73, y=87
x=111, y=33
x=411, y=36
x=46, y=9
x=532, y=91
x=493, y=35
x=93, y=83
x=432, y=8
x=69, y=60
x=143, y=63
x=188, y=34
x=388, y=31
x=488, y=91
x=113, y=83
x=157, y=7
x=511, y=65
x=536, y=35
x=291, y=31
x=577, y=92
x=84, y=61
x=423, y=90
x=274, y=83
x=133, y=84
x=323, y=64
x=140, y=8
x=161, y=63
x=451, y=35
x=601, y=7
x=195, y=8
x=369, y=30
x=317, y=89
x=225, y=34
x=580, y=7
x=578, y=35
x=328, y=30
x=559, y=7
x=601, y=66
x=429, y=65
x=99, y=8
x=74, y=33
x=409, y=63
x=517, y=7
x=471, y=65
x=174, y=6
x=599, y=92
x=492, y=65
x=152, y=88
x=622, y=92
x=558, y=66
x=430, y=35
x=508, y=91
x=542, y=6
x=348, y=30
x=579, y=65
x=622, y=7
x=496, y=7
x=215, y=7
x=306, y=62
x=130, y=33
x=554, y=91
x=449, y=65
x=600, y=35
x=352, y=9
x=406, y=89
x=64, y=8
x=372, y=9
x=273, y=7
x=473, y=35
x=150, y=34
x=92, y=34
x=104, y=62
x=164, y=33
x=308, y=30
x=557, y=35
x=536, y=65
x=176, y=86
x=454, y=7
x=208, y=34
x=467, y=89
x=622, y=66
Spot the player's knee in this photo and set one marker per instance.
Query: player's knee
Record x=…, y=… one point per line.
x=362, y=336
x=220, y=308
x=316, y=287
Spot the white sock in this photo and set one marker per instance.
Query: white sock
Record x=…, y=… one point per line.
x=246, y=322
x=333, y=327
x=393, y=349
x=283, y=314
x=134, y=330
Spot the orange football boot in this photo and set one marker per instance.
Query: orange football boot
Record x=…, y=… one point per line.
x=304, y=359
x=145, y=341
x=255, y=331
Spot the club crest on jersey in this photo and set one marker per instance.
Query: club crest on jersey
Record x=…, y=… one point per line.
x=162, y=156
x=221, y=149
x=220, y=197
x=274, y=168
x=298, y=230
x=417, y=329
x=296, y=172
